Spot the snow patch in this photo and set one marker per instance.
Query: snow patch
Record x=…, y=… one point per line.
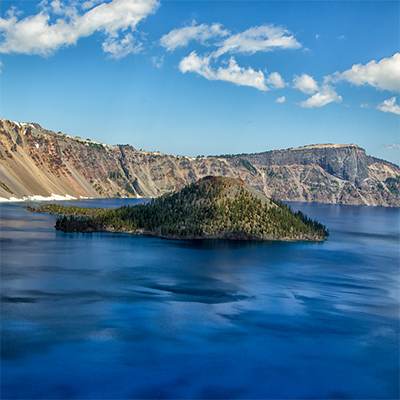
x=20, y=124
x=26, y=124
x=37, y=197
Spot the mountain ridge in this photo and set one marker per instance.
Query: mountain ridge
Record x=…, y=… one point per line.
x=114, y=145
x=36, y=161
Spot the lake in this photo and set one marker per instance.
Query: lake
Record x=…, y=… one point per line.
x=115, y=316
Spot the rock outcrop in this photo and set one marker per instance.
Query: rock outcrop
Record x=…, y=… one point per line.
x=36, y=161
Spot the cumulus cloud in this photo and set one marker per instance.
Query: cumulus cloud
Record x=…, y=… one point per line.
x=390, y=106
x=43, y=33
x=181, y=37
x=305, y=83
x=232, y=72
x=276, y=80
x=194, y=63
x=383, y=74
x=242, y=76
x=324, y=96
x=280, y=100
x=211, y=66
x=259, y=38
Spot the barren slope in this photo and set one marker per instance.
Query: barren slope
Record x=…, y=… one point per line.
x=35, y=161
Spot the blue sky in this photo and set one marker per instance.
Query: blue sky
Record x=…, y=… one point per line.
x=114, y=71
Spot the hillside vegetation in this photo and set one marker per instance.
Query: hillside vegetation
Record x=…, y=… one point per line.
x=214, y=207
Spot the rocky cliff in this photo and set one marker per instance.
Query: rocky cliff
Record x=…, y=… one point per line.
x=35, y=161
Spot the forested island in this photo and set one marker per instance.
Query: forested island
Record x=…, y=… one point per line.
x=212, y=208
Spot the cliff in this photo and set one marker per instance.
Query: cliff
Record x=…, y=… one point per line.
x=36, y=161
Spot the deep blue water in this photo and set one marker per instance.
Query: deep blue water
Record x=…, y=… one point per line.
x=113, y=316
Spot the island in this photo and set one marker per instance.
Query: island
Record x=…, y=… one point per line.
x=212, y=208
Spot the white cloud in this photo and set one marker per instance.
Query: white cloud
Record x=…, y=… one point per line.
x=305, y=83
x=259, y=38
x=383, y=74
x=157, y=61
x=194, y=63
x=323, y=97
x=181, y=37
x=242, y=76
x=231, y=73
x=59, y=8
x=256, y=39
x=390, y=106
x=120, y=47
x=276, y=80
x=280, y=100
x=43, y=34
x=90, y=3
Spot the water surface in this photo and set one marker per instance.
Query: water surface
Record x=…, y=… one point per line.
x=114, y=316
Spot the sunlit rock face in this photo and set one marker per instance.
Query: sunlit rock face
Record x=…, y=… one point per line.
x=347, y=162
x=36, y=161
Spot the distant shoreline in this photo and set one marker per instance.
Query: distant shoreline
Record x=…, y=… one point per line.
x=39, y=198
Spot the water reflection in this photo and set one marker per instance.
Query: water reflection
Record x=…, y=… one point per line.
x=120, y=316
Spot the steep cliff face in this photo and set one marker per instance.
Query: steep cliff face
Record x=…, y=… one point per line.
x=35, y=161
x=347, y=162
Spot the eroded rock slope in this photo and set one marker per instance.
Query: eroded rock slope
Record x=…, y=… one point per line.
x=36, y=161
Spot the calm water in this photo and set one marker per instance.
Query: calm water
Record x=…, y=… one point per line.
x=112, y=316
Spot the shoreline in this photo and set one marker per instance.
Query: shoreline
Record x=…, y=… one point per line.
x=144, y=233
x=58, y=197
